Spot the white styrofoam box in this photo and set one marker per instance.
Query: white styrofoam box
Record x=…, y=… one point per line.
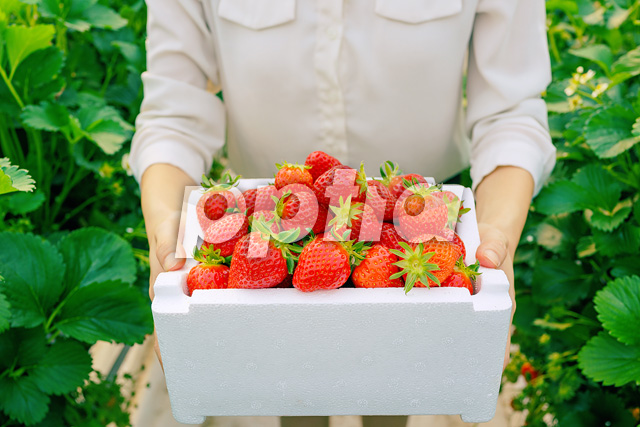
x=347, y=351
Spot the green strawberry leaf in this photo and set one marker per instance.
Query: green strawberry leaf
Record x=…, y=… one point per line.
x=558, y=281
x=608, y=131
x=604, y=191
x=100, y=16
x=23, y=41
x=607, y=360
x=561, y=197
x=20, y=347
x=598, y=53
x=104, y=127
x=623, y=240
x=627, y=66
x=39, y=69
x=606, y=220
x=14, y=179
x=5, y=312
x=64, y=368
x=618, y=307
x=22, y=203
x=22, y=400
x=46, y=116
x=95, y=255
x=33, y=270
x=568, y=384
x=108, y=311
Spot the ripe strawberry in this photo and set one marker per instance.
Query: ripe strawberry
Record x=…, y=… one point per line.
x=454, y=207
x=321, y=221
x=225, y=233
x=529, y=372
x=293, y=174
x=217, y=200
x=420, y=213
x=390, y=238
x=297, y=208
x=211, y=273
x=325, y=264
x=359, y=218
x=460, y=244
x=264, y=198
x=344, y=184
x=462, y=276
x=376, y=269
x=380, y=199
x=320, y=162
x=397, y=183
x=250, y=200
x=425, y=264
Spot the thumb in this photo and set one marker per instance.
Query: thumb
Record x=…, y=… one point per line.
x=166, y=238
x=493, y=248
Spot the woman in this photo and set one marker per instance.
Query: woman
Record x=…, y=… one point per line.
x=363, y=80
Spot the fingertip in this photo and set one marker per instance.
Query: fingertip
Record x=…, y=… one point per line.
x=488, y=258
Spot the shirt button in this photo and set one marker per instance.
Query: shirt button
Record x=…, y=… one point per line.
x=332, y=32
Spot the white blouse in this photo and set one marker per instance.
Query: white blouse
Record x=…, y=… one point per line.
x=363, y=80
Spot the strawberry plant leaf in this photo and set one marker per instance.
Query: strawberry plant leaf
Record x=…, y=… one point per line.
x=20, y=347
x=608, y=131
x=627, y=66
x=5, y=312
x=608, y=220
x=22, y=400
x=623, y=240
x=598, y=53
x=100, y=16
x=558, y=281
x=607, y=360
x=108, y=311
x=14, y=179
x=33, y=270
x=64, y=368
x=604, y=191
x=39, y=69
x=561, y=197
x=96, y=255
x=618, y=307
x=23, y=41
x=22, y=203
x=104, y=127
x=46, y=116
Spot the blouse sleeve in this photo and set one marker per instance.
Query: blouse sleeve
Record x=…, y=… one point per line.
x=508, y=69
x=180, y=122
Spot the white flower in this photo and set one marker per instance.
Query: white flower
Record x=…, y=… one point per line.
x=599, y=89
x=587, y=76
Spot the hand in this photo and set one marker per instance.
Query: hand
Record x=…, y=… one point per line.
x=163, y=189
x=493, y=252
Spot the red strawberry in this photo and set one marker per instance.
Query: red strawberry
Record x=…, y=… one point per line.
x=454, y=207
x=397, y=183
x=211, y=273
x=250, y=200
x=320, y=162
x=321, y=221
x=293, y=174
x=528, y=372
x=460, y=244
x=376, y=269
x=325, y=188
x=380, y=199
x=264, y=198
x=420, y=213
x=297, y=208
x=390, y=238
x=259, y=262
x=357, y=217
x=325, y=264
x=462, y=276
x=217, y=200
x=426, y=264
x=225, y=233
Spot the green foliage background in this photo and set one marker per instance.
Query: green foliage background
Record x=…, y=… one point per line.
x=70, y=90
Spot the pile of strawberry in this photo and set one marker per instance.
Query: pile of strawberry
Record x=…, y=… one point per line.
x=323, y=225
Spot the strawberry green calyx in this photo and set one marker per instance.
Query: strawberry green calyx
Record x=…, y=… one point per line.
x=420, y=188
x=208, y=255
x=361, y=179
x=389, y=170
x=414, y=263
x=292, y=166
x=226, y=182
x=471, y=271
x=357, y=251
x=344, y=213
x=283, y=240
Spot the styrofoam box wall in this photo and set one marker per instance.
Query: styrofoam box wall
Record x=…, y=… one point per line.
x=260, y=352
